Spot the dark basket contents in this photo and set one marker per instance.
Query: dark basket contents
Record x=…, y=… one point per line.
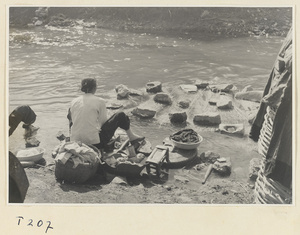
x=185, y=136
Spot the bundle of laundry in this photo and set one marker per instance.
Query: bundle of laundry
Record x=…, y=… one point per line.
x=77, y=152
x=75, y=162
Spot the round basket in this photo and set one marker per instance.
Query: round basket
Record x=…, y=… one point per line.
x=78, y=175
x=266, y=132
x=185, y=139
x=187, y=146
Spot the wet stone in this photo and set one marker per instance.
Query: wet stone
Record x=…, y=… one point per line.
x=122, y=91
x=201, y=84
x=222, y=87
x=210, y=118
x=114, y=106
x=143, y=113
x=162, y=98
x=184, y=104
x=154, y=87
x=178, y=117
x=189, y=88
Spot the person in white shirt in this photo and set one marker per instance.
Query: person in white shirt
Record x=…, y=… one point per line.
x=88, y=118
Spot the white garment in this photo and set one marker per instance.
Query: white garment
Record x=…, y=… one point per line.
x=88, y=114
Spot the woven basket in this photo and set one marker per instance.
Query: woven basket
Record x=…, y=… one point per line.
x=268, y=191
x=266, y=132
x=77, y=175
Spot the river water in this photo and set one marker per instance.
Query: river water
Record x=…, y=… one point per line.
x=45, y=70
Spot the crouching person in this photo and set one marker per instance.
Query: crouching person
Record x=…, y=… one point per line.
x=88, y=118
x=18, y=182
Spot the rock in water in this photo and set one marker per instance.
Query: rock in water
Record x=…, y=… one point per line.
x=114, y=106
x=201, y=84
x=143, y=113
x=122, y=91
x=222, y=88
x=189, y=88
x=209, y=118
x=178, y=117
x=162, y=98
x=184, y=104
x=154, y=87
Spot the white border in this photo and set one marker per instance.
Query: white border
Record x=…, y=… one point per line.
x=148, y=204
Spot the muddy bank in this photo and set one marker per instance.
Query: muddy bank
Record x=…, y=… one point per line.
x=191, y=22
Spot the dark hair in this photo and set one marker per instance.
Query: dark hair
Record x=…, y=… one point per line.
x=88, y=85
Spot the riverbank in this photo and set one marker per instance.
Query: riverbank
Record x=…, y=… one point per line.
x=191, y=22
x=182, y=185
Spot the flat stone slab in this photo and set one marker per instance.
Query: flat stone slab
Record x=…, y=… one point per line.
x=114, y=106
x=232, y=129
x=209, y=118
x=189, y=88
x=179, y=157
x=143, y=113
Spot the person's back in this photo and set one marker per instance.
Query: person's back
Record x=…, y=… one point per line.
x=88, y=115
x=88, y=118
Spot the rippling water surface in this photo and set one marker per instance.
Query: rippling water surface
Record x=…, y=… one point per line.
x=45, y=69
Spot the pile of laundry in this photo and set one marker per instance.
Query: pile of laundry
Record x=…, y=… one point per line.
x=78, y=152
